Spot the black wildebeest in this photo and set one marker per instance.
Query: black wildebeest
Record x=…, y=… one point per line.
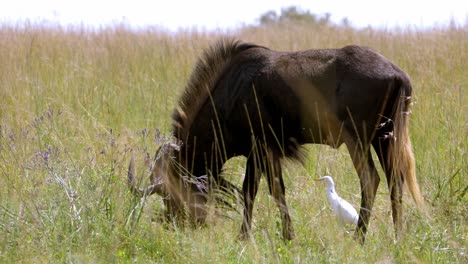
x=245, y=99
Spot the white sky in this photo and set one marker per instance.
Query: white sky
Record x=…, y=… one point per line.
x=212, y=14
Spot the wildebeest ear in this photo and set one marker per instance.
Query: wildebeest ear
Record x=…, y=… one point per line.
x=131, y=171
x=156, y=186
x=174, y=146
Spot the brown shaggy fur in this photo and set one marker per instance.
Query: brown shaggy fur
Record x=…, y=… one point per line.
x=244, y=99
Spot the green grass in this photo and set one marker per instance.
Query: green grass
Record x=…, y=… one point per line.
x=75, y=103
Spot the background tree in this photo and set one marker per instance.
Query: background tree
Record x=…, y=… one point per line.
x=294, y=14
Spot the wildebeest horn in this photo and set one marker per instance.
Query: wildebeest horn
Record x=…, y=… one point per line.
x=156, y=187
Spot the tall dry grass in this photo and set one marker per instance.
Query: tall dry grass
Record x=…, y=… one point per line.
x=75, y=102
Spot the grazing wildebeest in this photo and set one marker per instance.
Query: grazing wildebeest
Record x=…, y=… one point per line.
x=245, y=99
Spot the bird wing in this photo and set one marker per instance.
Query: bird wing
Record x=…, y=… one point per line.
x=346, y=213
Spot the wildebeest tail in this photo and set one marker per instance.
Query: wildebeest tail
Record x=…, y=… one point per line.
x=400, y=151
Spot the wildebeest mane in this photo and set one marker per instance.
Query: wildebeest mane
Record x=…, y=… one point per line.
x=203, y=80
x=207, y=72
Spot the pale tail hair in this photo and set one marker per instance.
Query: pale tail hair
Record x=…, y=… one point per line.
x=400, y=150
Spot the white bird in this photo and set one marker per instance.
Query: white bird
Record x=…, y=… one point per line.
x=344, y=211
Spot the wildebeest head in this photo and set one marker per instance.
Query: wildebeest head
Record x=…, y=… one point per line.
x=182, y=195
x=180, y=180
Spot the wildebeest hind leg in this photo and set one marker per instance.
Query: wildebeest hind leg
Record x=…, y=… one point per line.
x=395, y=182
x=369, y=181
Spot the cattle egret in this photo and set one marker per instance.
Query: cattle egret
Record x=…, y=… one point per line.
x=344, y=211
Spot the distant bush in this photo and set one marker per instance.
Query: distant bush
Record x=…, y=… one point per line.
x=294, y=14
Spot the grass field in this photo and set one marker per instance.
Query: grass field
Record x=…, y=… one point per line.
x=75, y=103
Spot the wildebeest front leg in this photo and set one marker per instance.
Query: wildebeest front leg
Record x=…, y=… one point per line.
x=277, y=190
x=249, y=189
x=369, y=181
